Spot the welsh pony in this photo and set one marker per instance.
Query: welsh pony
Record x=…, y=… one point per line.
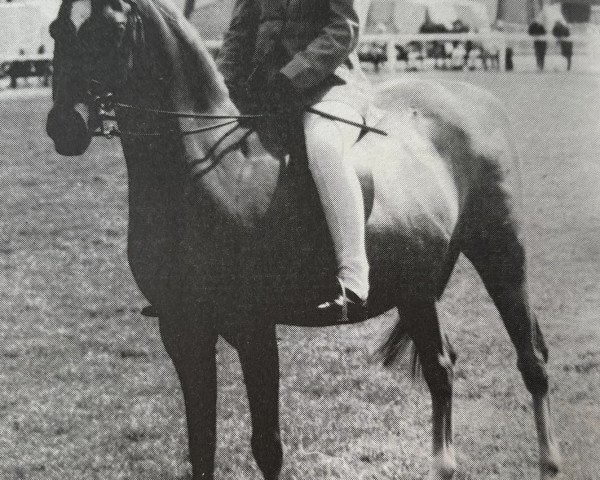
x=226, y=237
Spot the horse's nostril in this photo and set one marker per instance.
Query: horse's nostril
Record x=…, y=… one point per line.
x=69, y=130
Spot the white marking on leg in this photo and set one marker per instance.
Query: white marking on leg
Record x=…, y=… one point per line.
x=549, y=451
x=80, y=12
x=443, y=461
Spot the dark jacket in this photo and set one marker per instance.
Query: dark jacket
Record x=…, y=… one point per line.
x=309, y=41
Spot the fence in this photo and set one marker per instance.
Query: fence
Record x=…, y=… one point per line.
x=405, y=51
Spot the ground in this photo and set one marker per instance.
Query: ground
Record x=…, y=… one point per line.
x=88, y=392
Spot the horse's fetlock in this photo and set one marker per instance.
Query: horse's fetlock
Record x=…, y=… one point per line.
x=267, y=450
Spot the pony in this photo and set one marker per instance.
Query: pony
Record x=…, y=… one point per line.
x=226, y=238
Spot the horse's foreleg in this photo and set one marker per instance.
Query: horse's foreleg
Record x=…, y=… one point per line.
x=502, y=268
x=437, y=360
x=191, y=345
x=260, y=364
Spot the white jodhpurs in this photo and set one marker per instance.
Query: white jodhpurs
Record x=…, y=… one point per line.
x=327, y=142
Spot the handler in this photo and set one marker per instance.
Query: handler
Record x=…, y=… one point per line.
x=279, y=57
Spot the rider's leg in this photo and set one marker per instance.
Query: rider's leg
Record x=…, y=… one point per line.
x=339, y=190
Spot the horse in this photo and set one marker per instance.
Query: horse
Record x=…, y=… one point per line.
x=226, y=238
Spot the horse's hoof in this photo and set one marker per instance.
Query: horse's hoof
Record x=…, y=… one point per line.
x=550, y=464
x=445, y=474
x=549, y=470
x=443, y=467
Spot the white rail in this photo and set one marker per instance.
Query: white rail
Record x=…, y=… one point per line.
x=493, y=42
x=27, y=58
x=520, y=43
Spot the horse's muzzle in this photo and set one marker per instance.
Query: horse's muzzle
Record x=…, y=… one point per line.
x=68, y=128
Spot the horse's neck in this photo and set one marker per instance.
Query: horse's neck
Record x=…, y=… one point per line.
x=196, y=86
x=217, y=168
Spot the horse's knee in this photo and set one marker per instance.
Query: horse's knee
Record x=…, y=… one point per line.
x=268, y=453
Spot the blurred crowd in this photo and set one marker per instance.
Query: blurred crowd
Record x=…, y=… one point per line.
x=459, y=55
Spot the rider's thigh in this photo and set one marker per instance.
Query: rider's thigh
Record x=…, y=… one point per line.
x=321, y=127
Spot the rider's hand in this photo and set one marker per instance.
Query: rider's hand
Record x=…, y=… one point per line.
x=239, y=95
x=283, y=100
x=245, y=103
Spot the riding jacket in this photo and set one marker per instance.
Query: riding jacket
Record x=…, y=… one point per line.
x=309, y=41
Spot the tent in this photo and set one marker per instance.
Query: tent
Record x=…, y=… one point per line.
x=551, y=14
x=406, y=16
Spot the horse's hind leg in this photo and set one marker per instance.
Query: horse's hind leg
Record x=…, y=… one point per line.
x=420, y=320
x=498, y=254
x=260, y=364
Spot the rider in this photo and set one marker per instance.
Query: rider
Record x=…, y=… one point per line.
x=285, y=56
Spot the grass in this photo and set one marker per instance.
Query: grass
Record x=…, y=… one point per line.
x=87, y=391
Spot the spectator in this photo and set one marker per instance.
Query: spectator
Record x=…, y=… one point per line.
x=374, y=52
x=561, y=32
x=537, y=29
x=461, y=50
x=491, y=47
x=434, y=49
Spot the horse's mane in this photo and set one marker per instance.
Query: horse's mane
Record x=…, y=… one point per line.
x=186, y=53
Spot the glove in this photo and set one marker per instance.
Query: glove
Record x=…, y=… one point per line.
x=245, y=103
x=239, y=96
x=283, y=101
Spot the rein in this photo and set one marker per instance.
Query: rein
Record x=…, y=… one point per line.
x=106, y=103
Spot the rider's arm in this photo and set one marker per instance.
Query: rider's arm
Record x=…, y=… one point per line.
x=329, y=50
x=234, y=59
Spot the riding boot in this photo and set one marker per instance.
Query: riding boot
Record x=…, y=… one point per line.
x=339, y=190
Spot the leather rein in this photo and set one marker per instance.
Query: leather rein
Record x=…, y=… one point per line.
x=106, y=103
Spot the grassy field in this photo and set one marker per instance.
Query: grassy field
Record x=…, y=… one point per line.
x=88, y=392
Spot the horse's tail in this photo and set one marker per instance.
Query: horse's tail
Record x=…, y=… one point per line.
x=400, y=344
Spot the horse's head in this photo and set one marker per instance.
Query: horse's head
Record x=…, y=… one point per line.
x=93, y=54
